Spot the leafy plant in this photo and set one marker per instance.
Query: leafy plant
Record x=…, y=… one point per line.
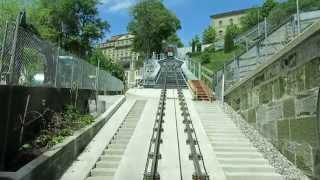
x=58, y=127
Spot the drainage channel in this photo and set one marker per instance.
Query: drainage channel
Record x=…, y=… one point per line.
x=200, y=172
x=109, y=161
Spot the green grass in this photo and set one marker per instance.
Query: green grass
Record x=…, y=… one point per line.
x=216, y=59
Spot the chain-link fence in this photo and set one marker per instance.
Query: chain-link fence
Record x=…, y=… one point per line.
x=27, y=60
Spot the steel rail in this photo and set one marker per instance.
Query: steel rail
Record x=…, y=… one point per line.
x=200, y=170
x=151, y=169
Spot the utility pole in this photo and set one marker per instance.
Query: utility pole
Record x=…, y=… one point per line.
x=298, y=17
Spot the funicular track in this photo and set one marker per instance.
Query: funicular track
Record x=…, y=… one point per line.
x=200, y=172
x=151, y=170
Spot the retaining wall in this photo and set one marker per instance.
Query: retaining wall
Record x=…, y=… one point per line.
x=280, y=99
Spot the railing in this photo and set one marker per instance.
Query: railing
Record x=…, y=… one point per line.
x=231, y=69
x=27, y=60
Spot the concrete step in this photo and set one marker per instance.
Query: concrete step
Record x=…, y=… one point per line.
x=231, y=145
x=235, y=149
x=226, y=139
x=126, y=129
x=120, y=141
x=253, y=176
x=242, y=161
x=235, y=134
x=222, y=131
x=116, y=146
x=113, y=151
x=249, y=155
x=120, y=147
x=123, y=136
x=100, y=178
x=128, y=133
x=107, y=164
x=248, y=168
x=103, y=171
x=111, y=159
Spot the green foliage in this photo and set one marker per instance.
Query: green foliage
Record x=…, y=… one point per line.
x=34, y=65
x=9, y=10
x=209, y=35
x=231, y=32
x=276, y=11
x=151, y=24
x=256, y=15
x=73, y=24
x=199, y=47
x=212, y=59
x=267, y=6
x=59, y=127
x=106, y=63
x=252, y=17
x=195, y=44
x=174, y=40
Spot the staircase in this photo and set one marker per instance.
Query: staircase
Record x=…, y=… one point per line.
x=200, y=90
x=234, y=151
x=109, y=161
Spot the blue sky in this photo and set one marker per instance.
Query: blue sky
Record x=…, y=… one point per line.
x=193, y=14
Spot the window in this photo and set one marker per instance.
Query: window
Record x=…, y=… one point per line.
x=220, y=23
x=220, y=32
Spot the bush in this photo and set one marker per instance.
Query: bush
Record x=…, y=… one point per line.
x=231, y=33
x=60, y=126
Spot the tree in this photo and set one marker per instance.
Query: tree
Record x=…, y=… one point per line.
x=175, y=40
x=9, y=10
x=106, y=64
x=252, y=18
x=209, y=35
x=151, y=24
x=73, y=24
x=195, y=43
x=256, y=14
x=267, y=6
x=231, y=32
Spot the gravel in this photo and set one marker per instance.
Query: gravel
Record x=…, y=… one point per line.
x=281, y=164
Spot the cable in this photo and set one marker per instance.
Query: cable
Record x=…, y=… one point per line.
x=175, y=112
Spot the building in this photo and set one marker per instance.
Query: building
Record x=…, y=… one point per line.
x=222, y=20
x=119, y=48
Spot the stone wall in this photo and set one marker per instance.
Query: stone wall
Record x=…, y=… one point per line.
x=280, y=99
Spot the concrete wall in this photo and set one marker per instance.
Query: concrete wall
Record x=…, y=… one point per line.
x=280, y=99
x=12, y=105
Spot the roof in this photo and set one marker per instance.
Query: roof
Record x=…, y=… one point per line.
x=120, y=37
x=229, y=13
